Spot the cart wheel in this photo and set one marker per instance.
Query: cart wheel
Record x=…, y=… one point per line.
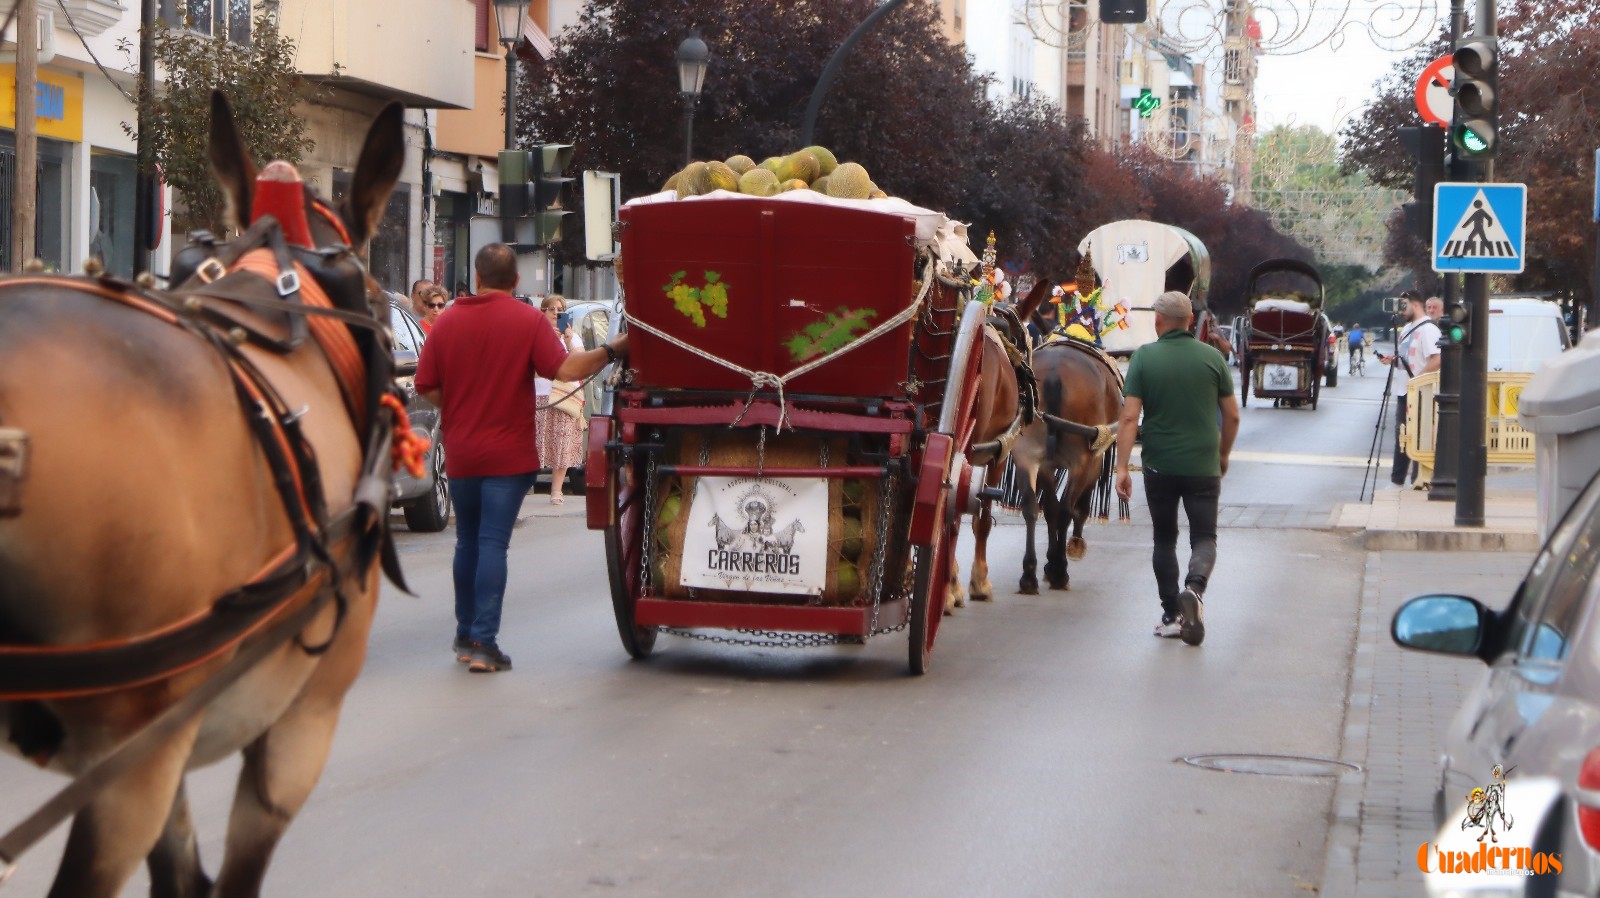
x=927, y=600
x=622, y=544
x=1316, y=391
x=1244, y=384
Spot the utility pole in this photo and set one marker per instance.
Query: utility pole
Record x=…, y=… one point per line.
x=1475, y=360
x=145, y=184
x=1447, y=447
x=25, y=191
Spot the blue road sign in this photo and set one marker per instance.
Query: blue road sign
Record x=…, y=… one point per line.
x=1479, y=228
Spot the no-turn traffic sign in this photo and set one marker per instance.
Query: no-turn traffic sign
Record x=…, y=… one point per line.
x=1434, y=102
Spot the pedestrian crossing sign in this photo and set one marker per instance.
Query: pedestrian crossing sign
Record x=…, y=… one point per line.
x=1479, y=228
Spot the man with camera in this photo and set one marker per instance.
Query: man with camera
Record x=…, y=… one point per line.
x=1418, y=354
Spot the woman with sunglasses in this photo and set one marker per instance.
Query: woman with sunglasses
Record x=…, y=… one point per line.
x=560, y=433
x=434, y=299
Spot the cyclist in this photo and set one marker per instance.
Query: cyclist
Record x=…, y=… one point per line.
x=1358, y=345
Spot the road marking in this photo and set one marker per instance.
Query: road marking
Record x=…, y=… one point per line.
x=1290, y=458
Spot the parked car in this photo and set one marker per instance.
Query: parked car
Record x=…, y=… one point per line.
x=424, y=500
x=1536, y=712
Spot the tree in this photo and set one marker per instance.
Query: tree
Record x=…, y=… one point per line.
x=264, y=87
x=1547, y=137
x=906, y=105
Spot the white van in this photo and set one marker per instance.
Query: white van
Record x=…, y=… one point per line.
x=1523, y=333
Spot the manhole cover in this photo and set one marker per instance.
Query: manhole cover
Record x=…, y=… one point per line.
x=1272, y=765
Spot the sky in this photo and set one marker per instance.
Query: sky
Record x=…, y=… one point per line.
x=1324, y=86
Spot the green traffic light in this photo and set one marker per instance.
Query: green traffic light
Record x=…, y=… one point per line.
x=1457, y=334
x=1471, y=142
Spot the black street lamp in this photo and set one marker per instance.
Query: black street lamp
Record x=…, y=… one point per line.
x=693, y=55
x=508, y=18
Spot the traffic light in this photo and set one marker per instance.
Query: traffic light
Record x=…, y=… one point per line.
x=1425, y=144
x=549, y=190
x=515, y=166
x=1458, y=323
x=1123, y=12
x=1477, y=63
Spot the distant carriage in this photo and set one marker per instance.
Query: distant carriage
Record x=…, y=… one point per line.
x=1286, y=348
x=1136, y=262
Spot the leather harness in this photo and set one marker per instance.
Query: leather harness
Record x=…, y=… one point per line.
x=29, y=672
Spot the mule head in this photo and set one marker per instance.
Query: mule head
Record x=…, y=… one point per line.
x=278, y=190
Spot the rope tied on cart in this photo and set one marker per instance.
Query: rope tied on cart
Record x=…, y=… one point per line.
x=762, y=380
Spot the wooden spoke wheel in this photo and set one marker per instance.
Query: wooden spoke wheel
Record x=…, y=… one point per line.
x=624, y=551
x=927, y=598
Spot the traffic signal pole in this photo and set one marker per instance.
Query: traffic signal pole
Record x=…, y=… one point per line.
x=1474, y=453
x=1447, y=447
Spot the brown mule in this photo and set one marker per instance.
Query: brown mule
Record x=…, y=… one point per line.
x=146, y=499
x=1080, y=403
x=1001, y=419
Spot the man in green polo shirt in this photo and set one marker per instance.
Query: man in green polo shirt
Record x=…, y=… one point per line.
x=1179, y=384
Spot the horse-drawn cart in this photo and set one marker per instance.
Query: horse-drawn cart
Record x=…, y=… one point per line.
x=1285, y=352
x=785, y=455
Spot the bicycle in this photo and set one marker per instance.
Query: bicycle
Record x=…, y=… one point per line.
x=1358, y=363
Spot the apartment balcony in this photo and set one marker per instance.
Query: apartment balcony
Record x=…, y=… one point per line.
x=417, y=51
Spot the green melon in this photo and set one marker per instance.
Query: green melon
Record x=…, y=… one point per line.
x=824, y=156
x=758, y=182
x=850, y=181
x=723, y=177
x=741, y=164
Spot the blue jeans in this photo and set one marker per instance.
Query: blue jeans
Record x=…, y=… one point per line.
x=486, y=510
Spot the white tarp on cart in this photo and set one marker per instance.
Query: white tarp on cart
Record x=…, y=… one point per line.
x=1132, y=257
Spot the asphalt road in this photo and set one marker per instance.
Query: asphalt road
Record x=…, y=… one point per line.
x=1041, y=756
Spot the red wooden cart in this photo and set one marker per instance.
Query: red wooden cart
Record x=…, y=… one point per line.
x=781, y=351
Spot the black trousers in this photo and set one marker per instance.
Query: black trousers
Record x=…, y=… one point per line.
x=1199, y=496
x=1402, y=462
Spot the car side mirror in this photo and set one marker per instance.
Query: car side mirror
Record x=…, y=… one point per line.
x=1447, y=624
x=405, y=363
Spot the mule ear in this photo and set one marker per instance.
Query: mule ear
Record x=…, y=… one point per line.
x=1034, y=300
x=383, y=157
x=230, y=161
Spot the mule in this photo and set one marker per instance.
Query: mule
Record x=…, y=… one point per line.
x=1008, y=388
x=147, y=498
x=1080, y=402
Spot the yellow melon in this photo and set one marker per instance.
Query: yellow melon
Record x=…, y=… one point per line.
x=850, y=181
x=758, y=182
x=741, y=164
x=723, y=177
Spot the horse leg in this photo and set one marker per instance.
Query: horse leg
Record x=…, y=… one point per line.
x=282, y=766
x=1055, y=557
x=1077, y=546
x=175, y=869
x=1029, y=586
x=120, y=828
x=954, y=596
x=980, y=587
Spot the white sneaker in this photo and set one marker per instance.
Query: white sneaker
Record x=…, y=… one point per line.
x=1169, y=629
x=1192, y=627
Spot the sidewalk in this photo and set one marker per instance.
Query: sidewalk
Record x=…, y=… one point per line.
x=1404, y=519
x=1398, y=712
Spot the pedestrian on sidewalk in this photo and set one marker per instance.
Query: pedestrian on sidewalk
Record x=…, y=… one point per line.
x=560, y=407
x=1180, y=385
x=1418, y=353
x=478, y=367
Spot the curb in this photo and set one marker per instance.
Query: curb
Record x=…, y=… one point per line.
x=1454, y=540
x=1344, y=829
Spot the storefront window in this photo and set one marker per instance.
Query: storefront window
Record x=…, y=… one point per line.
x=388, y=256
x=52, y=210
x=111, y=210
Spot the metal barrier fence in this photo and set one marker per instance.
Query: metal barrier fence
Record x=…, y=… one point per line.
x=1508, y=443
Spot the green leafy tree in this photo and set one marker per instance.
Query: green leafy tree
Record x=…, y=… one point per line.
x=264, y=87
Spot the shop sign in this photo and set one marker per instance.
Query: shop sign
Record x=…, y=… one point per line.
x=58, y=104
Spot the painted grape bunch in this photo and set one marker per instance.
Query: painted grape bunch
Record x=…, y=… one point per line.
x=693, y=301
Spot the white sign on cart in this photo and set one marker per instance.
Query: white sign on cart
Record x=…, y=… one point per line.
x=758, y=535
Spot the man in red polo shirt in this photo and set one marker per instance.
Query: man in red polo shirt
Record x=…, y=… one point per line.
x=478, y=366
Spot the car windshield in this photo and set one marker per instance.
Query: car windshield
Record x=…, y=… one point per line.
x=1552, y=595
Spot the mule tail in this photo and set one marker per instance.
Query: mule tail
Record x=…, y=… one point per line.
x=1104, y=488
x=1012, y=495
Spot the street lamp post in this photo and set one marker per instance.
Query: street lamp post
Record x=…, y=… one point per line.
x=693, y=56
x=508, y=17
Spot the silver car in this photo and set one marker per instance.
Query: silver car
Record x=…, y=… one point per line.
x=1536, y=713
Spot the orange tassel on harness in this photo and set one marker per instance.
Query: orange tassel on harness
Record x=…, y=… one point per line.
x=407, y=449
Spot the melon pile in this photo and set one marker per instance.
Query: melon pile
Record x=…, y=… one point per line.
x=813, y=168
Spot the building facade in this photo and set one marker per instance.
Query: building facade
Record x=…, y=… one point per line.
x=86, y=159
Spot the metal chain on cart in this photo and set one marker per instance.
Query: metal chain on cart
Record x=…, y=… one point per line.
x=875, y=573
x=648, y=546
